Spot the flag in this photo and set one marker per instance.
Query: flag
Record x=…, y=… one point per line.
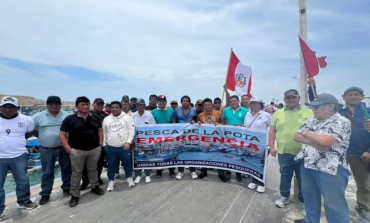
x=312, y=63
x=239, y=77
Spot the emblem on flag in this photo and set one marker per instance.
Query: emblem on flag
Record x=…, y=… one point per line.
x=241, y=80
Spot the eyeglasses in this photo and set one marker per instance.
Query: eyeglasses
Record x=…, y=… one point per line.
x=199, y=105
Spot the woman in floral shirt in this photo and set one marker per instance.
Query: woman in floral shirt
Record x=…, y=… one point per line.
x=325, y=140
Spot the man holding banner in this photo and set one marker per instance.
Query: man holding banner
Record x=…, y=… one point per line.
x=232, y=115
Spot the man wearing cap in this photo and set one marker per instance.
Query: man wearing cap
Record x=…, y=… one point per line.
x=324, y=170
x=199, y=107
x=81, y=135
x=232, y=115
x=47, y=127
x=133, y=104
x=152, y=102
x=163, y=115
x=97, y=109
x=142, y=117
x=185, y=114
x=358, y=153
x=285, y=122
x=14, y=129
x=107, y=108
x=209, y=116
x=174, y=104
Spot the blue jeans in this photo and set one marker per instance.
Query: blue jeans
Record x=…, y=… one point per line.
x=332, y=188
x=116, y=154
x=48, y=158
x=287, y=167
x=18, y=166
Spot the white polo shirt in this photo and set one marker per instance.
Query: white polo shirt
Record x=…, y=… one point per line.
x=261, y=121
x=145, y=119
x=12, y=135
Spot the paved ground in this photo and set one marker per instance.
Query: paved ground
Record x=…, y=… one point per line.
x=169, y=200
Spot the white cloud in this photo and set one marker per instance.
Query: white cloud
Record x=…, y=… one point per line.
x=175, y=48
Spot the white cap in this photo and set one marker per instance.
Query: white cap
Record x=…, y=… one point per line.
x=9, y=100
x=256, y=99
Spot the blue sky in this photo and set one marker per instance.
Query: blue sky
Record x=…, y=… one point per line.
x=71, y=48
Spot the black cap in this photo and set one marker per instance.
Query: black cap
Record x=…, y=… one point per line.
x=354, y=88
x=53, y=99
x=98, y=100
x=140, y=101
x=133, y=99
x=162, y=98
x=323, y=99
x=199, y=102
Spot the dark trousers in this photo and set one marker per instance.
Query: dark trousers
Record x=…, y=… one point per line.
x=124, y=156
x=171, y=170
x=48, y=158
x=181, y=169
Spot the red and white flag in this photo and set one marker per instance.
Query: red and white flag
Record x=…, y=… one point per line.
x=239, y=77
x=312, y=63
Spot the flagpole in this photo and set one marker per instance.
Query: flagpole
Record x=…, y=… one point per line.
x=227, y=71
x=303, y=35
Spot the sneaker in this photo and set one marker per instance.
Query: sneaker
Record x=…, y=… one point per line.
x=179, y=175
x=281, y=202
x=299, y=221
x=116, y=175
x=137, y=179
x=303, y=209
x=44, y=199
x=246, y=176
x=172, y=175
x=73, y=202
x=202, y=175
x=260, y=189
x=111, y=184
x=130, y=182
x=363, y=215
x=147, y=179
x=252, y=186
x=97, y=190
x=194, y=175
x=29, y=205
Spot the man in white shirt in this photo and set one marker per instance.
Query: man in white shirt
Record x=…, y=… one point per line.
x=14, y=128
x=118, y=131
x=142, y=117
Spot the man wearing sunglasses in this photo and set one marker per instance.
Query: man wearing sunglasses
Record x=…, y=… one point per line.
x=358, y=153
x=285, y=122
x=324, y=169
x=47, y=129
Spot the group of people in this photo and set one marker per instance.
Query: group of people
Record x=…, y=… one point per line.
x=314, y=143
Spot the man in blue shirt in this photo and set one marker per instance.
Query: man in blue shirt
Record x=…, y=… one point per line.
x=185, y=114
x=358, y=153
x=47, y=128
x=232, y=115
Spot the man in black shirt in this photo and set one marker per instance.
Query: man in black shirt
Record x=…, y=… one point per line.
x=97, y=109
x=152, y=102
x=85, y=137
